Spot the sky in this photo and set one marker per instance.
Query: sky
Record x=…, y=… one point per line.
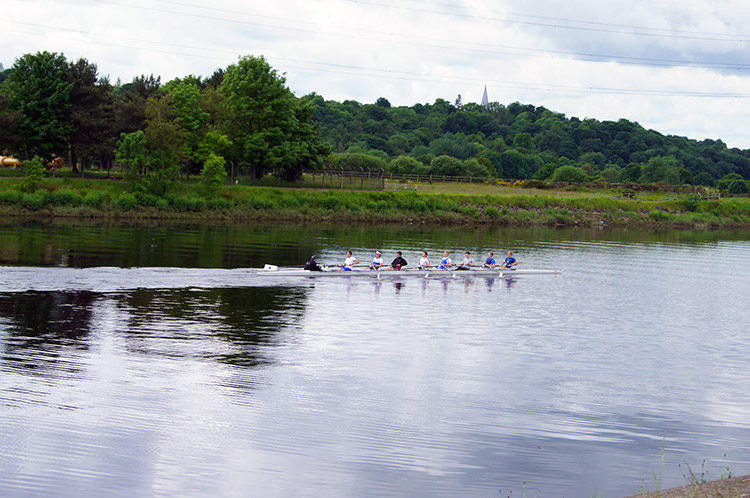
x=681, y=67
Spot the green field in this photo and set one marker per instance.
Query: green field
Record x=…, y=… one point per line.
x=437, y=203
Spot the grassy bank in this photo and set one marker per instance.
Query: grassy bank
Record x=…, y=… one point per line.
x=77, y=198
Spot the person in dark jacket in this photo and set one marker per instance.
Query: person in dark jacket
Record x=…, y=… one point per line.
x=312, y=265
x=398, y=262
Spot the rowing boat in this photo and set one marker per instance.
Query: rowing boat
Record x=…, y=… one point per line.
x=275, y=271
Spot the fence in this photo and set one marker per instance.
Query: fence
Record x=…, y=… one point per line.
x=672, y=196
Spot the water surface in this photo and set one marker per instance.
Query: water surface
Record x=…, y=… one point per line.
x=173, y=371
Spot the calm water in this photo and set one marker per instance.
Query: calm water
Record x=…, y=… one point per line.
x=173, y=371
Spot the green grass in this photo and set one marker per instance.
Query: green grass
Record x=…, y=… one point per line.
x=67, y=196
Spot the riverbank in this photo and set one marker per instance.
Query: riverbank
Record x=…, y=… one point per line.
x=97, y=199
x=733, y=487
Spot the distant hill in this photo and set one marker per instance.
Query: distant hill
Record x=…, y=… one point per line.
x=522, y=141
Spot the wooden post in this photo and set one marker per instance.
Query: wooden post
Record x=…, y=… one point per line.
x=342, y=179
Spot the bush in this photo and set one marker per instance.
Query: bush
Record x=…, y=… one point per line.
x=65, y=198
x=737, y=187
x=219, y=203
x=10, y=197
x=658, y=215
x=35, y=200
x=146, y=200
x=34, y=174
x=94, y=199
x=491, y=212
x=126, y=202
x=569, y=174
x=691, y=202
x=181, y=203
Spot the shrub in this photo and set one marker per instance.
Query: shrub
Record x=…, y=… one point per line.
x=737, y=187
x=35, y=200
x=34, y=174
x=213, y=175
x=219, y=203
x=126, y=202
x=569, y=174
x=65, y=198
x=93, y=199
x=658, y=215
x=691, y=202
x=10, y=197
x=146, y=200
x=181, y=203
x=491, y=212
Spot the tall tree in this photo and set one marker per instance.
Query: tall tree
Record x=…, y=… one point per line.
x=40, y=89
x=91, y=105
x=268, y=126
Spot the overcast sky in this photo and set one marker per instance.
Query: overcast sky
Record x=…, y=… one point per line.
x=681, y=67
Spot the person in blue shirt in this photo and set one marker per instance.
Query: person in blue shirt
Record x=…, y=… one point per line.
x=446, y=261
x=490, y=261
x=509, y=262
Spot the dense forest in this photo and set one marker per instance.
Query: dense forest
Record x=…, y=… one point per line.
x=245, y=120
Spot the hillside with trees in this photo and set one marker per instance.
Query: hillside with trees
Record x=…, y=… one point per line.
x=244, y=120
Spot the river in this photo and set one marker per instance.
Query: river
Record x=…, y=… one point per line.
x=146, y=360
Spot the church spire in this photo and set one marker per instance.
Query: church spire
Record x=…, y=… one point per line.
x=485, y=100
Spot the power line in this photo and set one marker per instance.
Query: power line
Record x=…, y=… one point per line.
x=360, y=71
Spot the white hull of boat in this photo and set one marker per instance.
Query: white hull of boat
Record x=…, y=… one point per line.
x=406, y=272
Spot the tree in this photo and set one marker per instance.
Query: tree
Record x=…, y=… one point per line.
x=132, y=154
x=34, y=174
x=704, y=178
x=405, y=165
x=661, y=169
x=190, y=117
x=91, y=106
x=39, y=88
x=631, y=173
x=569, y=174
x=213, y=175
x=262, y=111
x=446, y=166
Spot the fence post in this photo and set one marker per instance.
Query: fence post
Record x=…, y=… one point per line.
x=362, y=178
x=323, y=185
x=342, y=179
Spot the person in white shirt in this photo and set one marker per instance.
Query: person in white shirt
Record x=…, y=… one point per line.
x=349, y=261
x=467, y=261
x=424, y=261
x=377, y=262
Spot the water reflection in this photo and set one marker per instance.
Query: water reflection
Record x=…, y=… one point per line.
x=231, y=326
x=42, y=327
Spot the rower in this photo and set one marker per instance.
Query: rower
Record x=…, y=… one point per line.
x=446, y=261
x=349, y=261
x=312, y=265
x=377, y=262
x=509, y=262
x=467, y=261
x=424, y=261
x=490, y=261
x=398, y=262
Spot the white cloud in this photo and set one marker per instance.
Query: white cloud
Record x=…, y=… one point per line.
x=542, y=52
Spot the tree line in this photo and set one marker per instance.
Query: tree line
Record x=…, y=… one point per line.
x=245, y=120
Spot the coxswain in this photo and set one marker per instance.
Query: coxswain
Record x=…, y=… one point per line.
x=509, y=262
x=312, y=265
x=398, y=262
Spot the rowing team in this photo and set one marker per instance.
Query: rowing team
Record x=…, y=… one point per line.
x=424, y=262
